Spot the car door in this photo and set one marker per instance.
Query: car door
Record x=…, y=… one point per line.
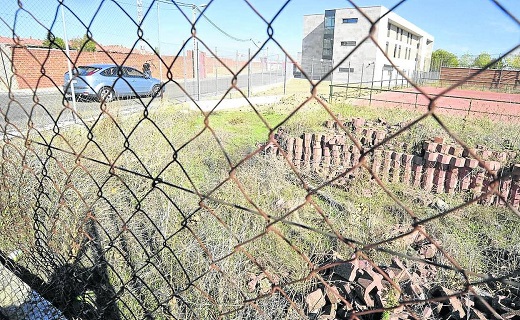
x=120, y=85
x=138, y=81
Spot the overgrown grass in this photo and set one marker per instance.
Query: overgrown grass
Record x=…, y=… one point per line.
x=181, y=203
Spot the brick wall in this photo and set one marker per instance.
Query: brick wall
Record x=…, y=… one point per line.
x=44, y=68
x=439, y=168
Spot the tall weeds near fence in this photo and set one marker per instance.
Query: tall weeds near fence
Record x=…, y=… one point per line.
x=162, y=212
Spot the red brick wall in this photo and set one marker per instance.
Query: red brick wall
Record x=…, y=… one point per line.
x=44, y=68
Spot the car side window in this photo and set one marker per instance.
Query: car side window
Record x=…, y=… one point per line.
x=110, y=72
x=131, y=72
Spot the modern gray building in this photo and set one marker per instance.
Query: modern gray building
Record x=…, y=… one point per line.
x=341, y=36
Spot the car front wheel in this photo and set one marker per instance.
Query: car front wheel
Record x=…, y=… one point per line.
x=106, y=94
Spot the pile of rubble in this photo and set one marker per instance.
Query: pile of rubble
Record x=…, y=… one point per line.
x=356, y=289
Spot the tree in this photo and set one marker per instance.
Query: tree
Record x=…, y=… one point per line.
x=513, y=61
x=443, y=58
x=83, y=42
x=482, y=60
x=466, y=60
x=53, y=42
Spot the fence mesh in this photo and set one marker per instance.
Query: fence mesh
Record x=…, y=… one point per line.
x=145, y=208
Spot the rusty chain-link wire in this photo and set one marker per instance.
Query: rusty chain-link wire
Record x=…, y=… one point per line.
x=145, y=209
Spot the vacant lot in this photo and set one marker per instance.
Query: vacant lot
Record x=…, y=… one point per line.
x=171, y=213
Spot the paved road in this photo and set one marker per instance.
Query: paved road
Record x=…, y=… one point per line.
x=46, y=107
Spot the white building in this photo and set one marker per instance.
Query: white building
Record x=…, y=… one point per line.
x=340, y=36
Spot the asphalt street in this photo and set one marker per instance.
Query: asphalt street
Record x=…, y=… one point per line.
x=48, y=107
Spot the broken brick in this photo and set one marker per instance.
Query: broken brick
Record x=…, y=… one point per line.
x=315, y=301
x=333, y=294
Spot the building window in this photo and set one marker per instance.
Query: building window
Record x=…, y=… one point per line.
x=397, y=34
x=327, y=53
x=327, y=48
x=395, y=51
x=401, y=35
x=327, y=43
x=388, y=67
x=350, y=70
x=399, y=55
x=330, y=17
x=389, y=28
x=386, y=48
x=328, y=34
x=348, y=43
x=350, y=20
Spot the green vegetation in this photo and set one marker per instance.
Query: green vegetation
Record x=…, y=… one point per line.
x=83, y=43
x=444, y=58
x=181, y=202
x=53, y=42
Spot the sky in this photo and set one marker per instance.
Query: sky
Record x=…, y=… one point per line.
x=458, y=26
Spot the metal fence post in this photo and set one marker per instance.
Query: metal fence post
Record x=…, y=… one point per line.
x=382, y=74
x=216, y=72
x=332, y=71
x=361, y=80
x=263, y=61
x=184, y=67
x=372, y=84
x=312, y=69
x=248, y=72
x=348, y=80
x=267, y=65
x=285, y=75
x=198, y=72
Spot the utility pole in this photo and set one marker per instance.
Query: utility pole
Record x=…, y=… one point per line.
x=159, y=41
x=71, y=81
x=140, y=19
x=195, y=54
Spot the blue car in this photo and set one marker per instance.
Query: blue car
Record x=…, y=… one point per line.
x=107, y=82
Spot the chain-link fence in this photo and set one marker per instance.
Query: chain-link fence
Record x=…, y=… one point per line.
x=236, y=192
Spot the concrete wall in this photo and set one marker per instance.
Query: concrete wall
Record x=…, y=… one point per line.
x=312, y=43
x=361, y=59
x=6, y=69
